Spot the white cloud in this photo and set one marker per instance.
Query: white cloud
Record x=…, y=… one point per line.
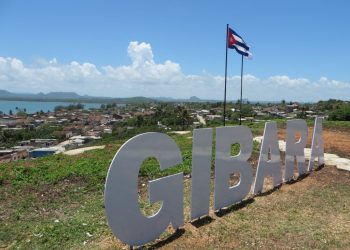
x=145, y=77
x=140, y=53
x=143, y=69
x=285, y=81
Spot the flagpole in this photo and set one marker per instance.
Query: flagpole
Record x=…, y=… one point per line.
x=240, y=108
x=225, y=76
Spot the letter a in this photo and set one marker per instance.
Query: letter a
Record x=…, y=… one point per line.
x=295, y=150
x=268, y=167
x=317, y=149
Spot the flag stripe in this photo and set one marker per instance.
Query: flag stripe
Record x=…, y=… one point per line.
x=242, y=45
x=247, y=54
x=233, y=32
x=240, y=48
x=236, y=42
x=238, y=38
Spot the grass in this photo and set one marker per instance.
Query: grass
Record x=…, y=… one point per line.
x=66, y=189
x=57, y=201
x=336, y=125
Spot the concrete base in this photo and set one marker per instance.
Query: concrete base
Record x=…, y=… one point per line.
x=330, y=159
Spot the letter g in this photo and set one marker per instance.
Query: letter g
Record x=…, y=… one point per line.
x=121, y=194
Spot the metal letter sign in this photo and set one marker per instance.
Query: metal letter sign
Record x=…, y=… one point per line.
x=121, y=193
x=317, y=149
x=295, y=150
x=201, y=163
x=266, y=166
x=225, y=164
x=121, y=196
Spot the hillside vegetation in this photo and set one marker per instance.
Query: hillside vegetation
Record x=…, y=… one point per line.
x=57, y=201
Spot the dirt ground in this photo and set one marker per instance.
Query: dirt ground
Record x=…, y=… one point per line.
x=298, y=209
x=312, y=212
x=242, y=220
x=335, y=141
x=205, y=233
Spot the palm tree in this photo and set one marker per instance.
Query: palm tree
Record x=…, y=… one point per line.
x=183, y=115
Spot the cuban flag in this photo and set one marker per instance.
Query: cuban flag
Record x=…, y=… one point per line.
x=236, y=42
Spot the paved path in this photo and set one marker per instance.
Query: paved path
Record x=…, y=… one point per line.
x=180, y=132
x=82, y=150
x=330, y=159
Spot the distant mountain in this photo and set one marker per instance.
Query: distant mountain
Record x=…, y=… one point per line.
x=70, y=97
x=195, y=99
x=165, y=99
x=74, y=97
x=191, y=99
x=50, y=95
x=63, y=95
x=5, y=93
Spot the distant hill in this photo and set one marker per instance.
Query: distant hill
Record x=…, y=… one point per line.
x=63, y=95
x=5, y=93
x=191, y=99
x=74, y=97
x=195, y=99
x=69, y=97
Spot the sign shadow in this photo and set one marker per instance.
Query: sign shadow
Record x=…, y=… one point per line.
x=235, y=207
x=177, y=234
x=205, y=220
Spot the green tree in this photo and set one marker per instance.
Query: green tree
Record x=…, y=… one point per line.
x=183, y=115
x=21, y=113
x=340, y=114
x=247, y=110
x=139, y=121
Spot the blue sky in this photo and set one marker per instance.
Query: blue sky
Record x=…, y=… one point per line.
x=176, y=48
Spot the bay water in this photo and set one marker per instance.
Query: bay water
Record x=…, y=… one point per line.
x=34, y=106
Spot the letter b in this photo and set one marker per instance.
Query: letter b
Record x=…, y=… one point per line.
x=225, y=164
